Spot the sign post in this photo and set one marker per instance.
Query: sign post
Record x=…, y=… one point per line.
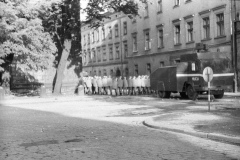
x=208, y=76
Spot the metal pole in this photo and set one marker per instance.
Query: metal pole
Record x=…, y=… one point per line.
x=209, y=98
x=236, y=56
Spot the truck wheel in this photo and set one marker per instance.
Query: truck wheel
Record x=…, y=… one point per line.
x=164, y=94
x=183, y=95
x=191, y=93
x=219, y=96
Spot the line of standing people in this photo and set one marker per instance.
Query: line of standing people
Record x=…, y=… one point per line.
x=107, y=85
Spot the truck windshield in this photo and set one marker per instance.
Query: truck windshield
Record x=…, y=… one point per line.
x=220, y=65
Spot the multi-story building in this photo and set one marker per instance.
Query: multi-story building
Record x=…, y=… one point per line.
x=164, y=30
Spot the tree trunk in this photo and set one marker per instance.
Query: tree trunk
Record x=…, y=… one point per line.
x=61, y=66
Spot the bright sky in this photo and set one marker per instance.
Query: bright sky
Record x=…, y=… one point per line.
x=83, y=4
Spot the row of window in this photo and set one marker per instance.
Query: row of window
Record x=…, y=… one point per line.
x=177, y=32
x=160, y=7
x=94, y=36
x=100, y=54
x=111, y=72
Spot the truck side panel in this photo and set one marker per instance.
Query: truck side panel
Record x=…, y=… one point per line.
x=164, y=79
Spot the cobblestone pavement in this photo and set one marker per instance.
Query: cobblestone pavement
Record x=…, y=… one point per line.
x=61, y=130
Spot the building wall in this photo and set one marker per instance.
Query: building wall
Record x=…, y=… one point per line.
x=166, y=19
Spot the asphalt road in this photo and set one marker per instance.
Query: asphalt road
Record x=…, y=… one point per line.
x=42, y=132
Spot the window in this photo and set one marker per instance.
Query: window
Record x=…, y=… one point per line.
x=104, y=53
x=124, y=28
x=193, y=66
x=93, y=55
x=99, y=54
x=134, y=19
x=189, y=31
x=110, y=52
x=220, y=24
x=117, y=51
x=110, y=32
x=159, y=6
x=125, y=49
x=147, y=40
x=93, y=38
x=160, y=38
x=177, y=35
x=206, y=28
x=99, y=73
x=97, y=36
x=161, y=63
x=134, y=38
x=148, y=68
x=88, y=38
x=177, y=2
x=126, y=72
x=177, y=61
x=84, y=40
x=85, y=57
x=103, y=33
x=146, y=12
x=89, y=56
x=116, y=30
x=136, y=70
x=111, y=72
x=105, y=72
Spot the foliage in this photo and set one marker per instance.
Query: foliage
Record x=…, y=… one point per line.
x=96, y=9
x=22, y=34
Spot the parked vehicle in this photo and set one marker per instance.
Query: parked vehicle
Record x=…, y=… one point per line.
x=187, y=76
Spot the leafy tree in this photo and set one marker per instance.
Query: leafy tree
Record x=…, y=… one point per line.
x=22, y=36
x=62, y=20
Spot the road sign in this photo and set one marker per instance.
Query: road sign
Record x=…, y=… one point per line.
x=208, y=74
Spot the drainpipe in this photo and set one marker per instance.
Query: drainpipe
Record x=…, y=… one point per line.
x=121, y=58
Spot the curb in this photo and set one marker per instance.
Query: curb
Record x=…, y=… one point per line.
x=211, y=136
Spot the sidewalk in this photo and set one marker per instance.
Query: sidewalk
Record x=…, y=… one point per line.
x=201, y=124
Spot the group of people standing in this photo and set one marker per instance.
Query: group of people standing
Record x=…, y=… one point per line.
x=107, y=85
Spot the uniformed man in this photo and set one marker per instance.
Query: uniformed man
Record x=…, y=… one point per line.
x=115, y=86
x=95, y=86
x=85, y=84
x=130, y=85
x=89, y=85
x=148, y=85
x=99, y=83
x=143, y=84
x=125, y=86
x=110, y=84
x=134, y=85
x=104, y=82
x=120, y=85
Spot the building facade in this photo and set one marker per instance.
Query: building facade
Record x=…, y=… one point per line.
x=164, y=30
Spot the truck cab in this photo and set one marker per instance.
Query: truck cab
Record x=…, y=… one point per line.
x=187, y=76
x=222, y=73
